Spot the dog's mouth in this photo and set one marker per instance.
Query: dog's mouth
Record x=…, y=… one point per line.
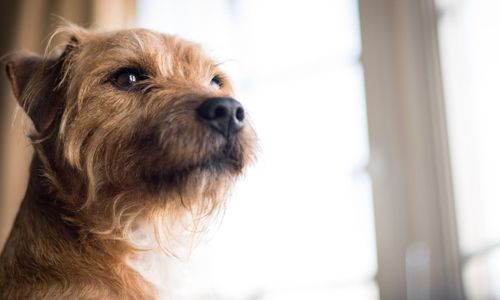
x=227, y=162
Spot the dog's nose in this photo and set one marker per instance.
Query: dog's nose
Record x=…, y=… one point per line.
x=224, y=114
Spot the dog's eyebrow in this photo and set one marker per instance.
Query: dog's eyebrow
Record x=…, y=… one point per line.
x=116, y=63
x=129, y=66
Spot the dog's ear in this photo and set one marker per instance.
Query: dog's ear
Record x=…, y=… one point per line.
x=36, y=82
x=20, y=68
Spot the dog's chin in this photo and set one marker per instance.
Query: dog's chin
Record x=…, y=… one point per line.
x=215, y=167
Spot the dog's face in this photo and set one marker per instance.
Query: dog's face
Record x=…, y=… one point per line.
x=134, y=115
x=139, y=99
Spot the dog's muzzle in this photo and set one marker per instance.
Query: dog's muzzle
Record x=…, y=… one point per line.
x=223, y=114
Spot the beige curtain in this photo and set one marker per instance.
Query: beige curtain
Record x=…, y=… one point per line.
x=27, y=24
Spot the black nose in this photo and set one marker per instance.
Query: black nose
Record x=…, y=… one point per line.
x=225, y=115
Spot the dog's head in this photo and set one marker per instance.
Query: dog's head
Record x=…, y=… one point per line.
x=132, y=122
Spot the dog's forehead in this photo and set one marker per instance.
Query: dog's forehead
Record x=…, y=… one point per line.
x=154, y=51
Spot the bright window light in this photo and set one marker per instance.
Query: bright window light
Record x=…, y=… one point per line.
x=470, y=48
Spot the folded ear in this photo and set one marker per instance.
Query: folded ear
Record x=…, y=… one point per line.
x=19, y=70
x=34, y=81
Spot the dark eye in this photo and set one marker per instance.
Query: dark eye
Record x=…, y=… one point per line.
x=216, y=82
x=127, y=78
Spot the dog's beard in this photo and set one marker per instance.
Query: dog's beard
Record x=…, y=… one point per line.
x=192, y=158
x=224, y=165
x=192, y=197
x=173, y=203
x=173, y=214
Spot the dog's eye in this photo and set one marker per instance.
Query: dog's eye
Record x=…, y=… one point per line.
x=126, y=78
x=216, y=82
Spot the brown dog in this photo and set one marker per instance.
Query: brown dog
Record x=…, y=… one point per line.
x=134, y=131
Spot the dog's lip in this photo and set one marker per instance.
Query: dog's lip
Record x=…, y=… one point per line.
x=215, y=164
x=225, y=158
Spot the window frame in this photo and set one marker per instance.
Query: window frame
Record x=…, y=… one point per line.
x=416, y=227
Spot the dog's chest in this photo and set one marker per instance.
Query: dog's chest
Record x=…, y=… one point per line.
x=165, y=272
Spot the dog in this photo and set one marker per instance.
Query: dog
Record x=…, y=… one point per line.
x=137, y=137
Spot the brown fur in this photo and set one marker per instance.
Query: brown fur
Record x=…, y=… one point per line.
x=105, y=158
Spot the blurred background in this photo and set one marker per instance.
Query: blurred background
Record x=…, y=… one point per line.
x=378, y=127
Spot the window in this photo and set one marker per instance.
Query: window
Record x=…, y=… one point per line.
x=300, y=225
x=470, y=48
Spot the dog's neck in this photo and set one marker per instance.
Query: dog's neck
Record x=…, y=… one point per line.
x=66, y=260
x=155, y=264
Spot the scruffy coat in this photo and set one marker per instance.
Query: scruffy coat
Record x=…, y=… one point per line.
x=109, y=158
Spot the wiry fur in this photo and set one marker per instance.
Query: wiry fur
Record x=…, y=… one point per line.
x=108, y=159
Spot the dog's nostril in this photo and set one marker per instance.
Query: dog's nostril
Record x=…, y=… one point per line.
x=240, y=114
x=223, y=114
